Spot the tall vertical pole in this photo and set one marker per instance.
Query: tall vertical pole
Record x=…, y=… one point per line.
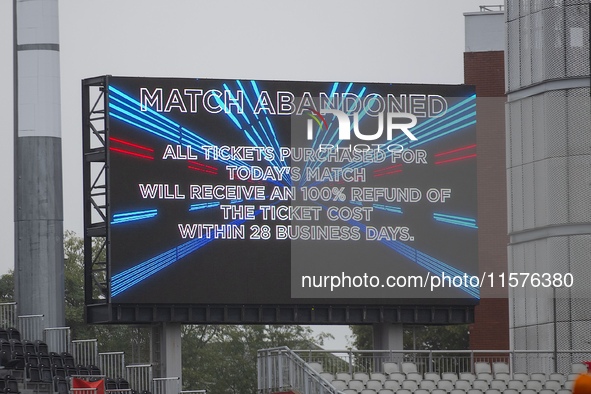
x=39, y=256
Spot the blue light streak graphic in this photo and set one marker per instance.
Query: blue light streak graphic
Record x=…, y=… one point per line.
x=205, y=205
x=456, y=220
x=388, y=208
x=125, y=217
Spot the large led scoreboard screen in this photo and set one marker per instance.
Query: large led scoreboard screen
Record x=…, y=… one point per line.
x=282, y=192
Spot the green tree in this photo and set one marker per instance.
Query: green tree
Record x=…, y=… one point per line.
x=7, y=287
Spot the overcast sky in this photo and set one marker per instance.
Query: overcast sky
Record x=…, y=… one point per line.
x=410, y=41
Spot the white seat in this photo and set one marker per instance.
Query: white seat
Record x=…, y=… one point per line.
x=529, y=391
x=361, y=376
x=564, y=391
x=492, y=391
x=480, y=384
x=356, y=385
x=578, y=368
x=393, y=385
x=515, y=385
x=568, y=385
x=434, y=376
x=374, y=384
x=449, y=376
x=368, y=391
x=446, y=385
x=505, y=377
x=397, y=376
x=427, y=385
x=540, y=377
x=414, y=376
x=457, y=391
x=343, y=376
x=390, y=367
x=327, y=376
x=557, y=376
x=510, y=391
x=485, y=376
x=316, y=367
x=463, y=384
x=546, y=391
x=439, y=391
x=404, y=391
x=553, y=385
x=521, y=376
x=469, y=376
x=408, y=367
x=421, y=391
x=378, y=376
x=474, y=391
x=339, y=384
x=533, y=385
x=410, y=385
x=350, y=391
x=498, y=384
x=386, y=391
x=480, y=367
x=500, y=367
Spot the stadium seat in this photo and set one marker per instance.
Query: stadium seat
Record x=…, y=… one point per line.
x=557, y=377
x=13, y=333
x=521, y=376
x=408, y=367
x=498, y=384
x=428, y=385
x=529, y=391
x=356, y=385
x=343, y=376
x=449, y=376
x=482, y=367
x=421, y=391
x=505, y=377
x=568, y=385
x=457, y=391
x=492, y=391
x=327, y=376
x=350, y=391
x=83, y=370
x=368, y=391
x=474, y=391
x=540, y=377
x=546, y=391
x=386, y=391
x=316, y=367
x=572, y=376
x=390, y=367
x=445, y=384
x=3, y=334
x=516, y=384
x=364, y=377
x=374, y=384
x=56, y=359
x=339, y=384
x=510, y=391
x=16, y=346
x=564, y=391
x=434, y=376
x=68, y=359
x=480, y=384
x=485, y=376
x=414, y=376
x=500, y=367
x=553, y=385
x=94, y=370
x=533, y=385
x=60, y=385
x=397, y=376
x=578, y=368
x=469, y=376
x=463, y=384
x=41, y=347
x=404, y=391
x=110, y=384
x=29, y=347
x=33, y=374
x=409, y=385
x=393, y=385
x=378, y=376
x=439, y=391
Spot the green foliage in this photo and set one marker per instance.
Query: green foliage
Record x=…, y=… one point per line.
x=7, y=287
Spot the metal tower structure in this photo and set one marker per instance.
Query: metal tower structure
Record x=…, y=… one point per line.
x=38, y=215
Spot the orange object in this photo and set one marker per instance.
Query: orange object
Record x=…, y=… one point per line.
x=582, y=384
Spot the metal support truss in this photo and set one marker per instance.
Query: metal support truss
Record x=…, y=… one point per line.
x=96, y=198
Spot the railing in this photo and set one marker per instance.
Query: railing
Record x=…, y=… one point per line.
x=30, y=326
x=171, y=385
x=444, y=360
x=8, y=314
x=280, y=369
x=112, y=364
x=57, y=339
x=492, y=8
x=139, y=376
x=85, y=351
